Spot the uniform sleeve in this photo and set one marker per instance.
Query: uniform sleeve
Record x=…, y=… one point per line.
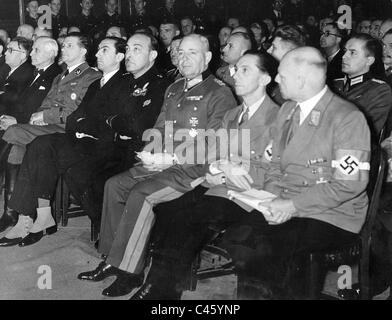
x=59, y=114
x=379, y=105
x=221, y=101
x=350, y=168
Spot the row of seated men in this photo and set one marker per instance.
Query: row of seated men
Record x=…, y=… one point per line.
x=88, y=120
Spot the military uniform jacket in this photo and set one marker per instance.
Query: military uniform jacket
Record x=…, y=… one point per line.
x=223, y=73
x=140, y=109
x=189, y=112
x=372, y=96
x=324, y=168
x=66, y=94
x=32, y=96
x=14, y=86
x=258, y=127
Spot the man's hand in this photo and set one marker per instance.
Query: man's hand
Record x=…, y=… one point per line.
x=7, y=121
x=37, y=119
x=156, y=161
x=237, y=175
x=216, y=179
x=280, y=210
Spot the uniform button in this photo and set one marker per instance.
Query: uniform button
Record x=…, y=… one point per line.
x=252, y=152
x=285, y=190
x=179, y=105
x=285, y=175
x=175, y=121
x=305, y=183
x=170, y=135
x=231, y=154
x=195, y=108
x=278, y=157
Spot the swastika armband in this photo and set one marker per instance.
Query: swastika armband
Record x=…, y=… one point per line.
x=351, y=165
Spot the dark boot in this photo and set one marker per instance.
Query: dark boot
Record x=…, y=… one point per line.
x=9, y=217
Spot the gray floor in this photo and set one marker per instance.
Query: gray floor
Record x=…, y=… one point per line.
x=48, y=270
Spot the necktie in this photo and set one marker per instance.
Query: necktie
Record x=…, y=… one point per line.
x=65, y=74
x=245, y=115
x=36, y=74
x=294, y=123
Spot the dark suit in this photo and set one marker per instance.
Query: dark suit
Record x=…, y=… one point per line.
x=63, y=98
x=14, y=86
x=32, y=96
x=334, y=69
x=81, y=158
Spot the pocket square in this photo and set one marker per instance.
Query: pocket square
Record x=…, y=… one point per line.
x=41, y=88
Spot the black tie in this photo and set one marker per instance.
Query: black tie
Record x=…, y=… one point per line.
x=245, y=115
x=294, y=123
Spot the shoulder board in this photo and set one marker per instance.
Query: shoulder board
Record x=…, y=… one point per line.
x=94, y=68
x=339, y=79
x=159, y=76
x=178, y=80
x=220, y=82
x=378, y=81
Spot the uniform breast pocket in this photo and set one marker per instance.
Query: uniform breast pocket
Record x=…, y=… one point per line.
x=320, y=173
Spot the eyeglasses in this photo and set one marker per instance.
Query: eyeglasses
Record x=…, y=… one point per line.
x=327, y=34
x=10, y=50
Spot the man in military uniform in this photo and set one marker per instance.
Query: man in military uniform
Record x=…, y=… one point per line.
x=387, y=55
x=109, y=18
x=237, y=44
x=85, y=20
x=32, y=16
x=65, y=95
x=319, y=176
x=139, y=17
x=58, y=20
x=192, y=104
x=363, y=84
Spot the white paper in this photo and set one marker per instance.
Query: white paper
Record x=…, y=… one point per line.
x=253, y=198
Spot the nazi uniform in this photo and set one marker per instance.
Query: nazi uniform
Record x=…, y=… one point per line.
x=66, y=93
x=372, y=96
x=127, y=217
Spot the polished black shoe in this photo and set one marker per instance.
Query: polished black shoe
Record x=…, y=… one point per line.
x=5, y=242
x=8, y=219
x=101, y=272
x=123, y=285
x=32, y=237
x=153, y=291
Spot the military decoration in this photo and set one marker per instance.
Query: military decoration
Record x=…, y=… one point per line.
x=141, y=91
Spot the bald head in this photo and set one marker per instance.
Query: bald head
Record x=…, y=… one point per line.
x=25, y=31
x=302, y=73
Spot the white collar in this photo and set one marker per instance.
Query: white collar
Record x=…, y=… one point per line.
x=232, y=70
x=191, y=83
x=308, y=105
x=70, y=69
x=108, y=76
x=252, y=108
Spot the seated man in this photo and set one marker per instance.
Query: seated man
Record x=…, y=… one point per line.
x=90, y=141
x=363, y=84
x=66, y=93
x=321, y=200
x=195, y=103
x=28, y=101
x=20, y=72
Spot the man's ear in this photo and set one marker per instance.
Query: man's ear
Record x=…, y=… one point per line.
x=153, y=55
x=208, y=56
x=1, y=49
x=177, y=32
x=370, y=61
x=120, y=56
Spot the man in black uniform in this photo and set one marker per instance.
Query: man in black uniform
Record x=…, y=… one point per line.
x=85, y=20
x=139, y=16
x=58, y=20
x=363, y=84
x=108, y=19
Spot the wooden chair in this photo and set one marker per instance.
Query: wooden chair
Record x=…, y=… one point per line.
x=359, y=250
x=65, y=207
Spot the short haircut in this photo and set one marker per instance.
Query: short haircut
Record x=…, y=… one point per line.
x=373, y=48
x=340, y=32
x=123, y=33
x=292, y=34
x=265, y=62
x=187, y=18
x=24, y=44
x=2, y=44
x=179, y=37
x=203, y=39
x=154, y=44
x=120, y=45
x=83, y=40
x=263, y=27
x=171, y=21
x=50, y=44
x=246, y=37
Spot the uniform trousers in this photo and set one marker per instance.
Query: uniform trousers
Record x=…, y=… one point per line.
x=48, y=157
x=257, y=248
x=128, y=217
x=20, y=135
